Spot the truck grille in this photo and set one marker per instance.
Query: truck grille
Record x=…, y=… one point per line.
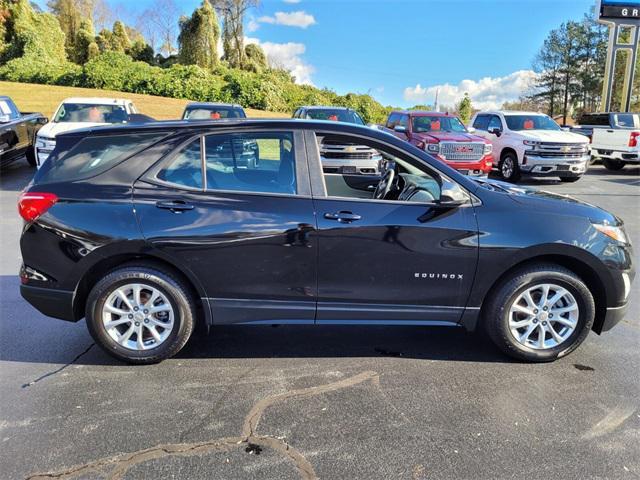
x=559, y=150
x=462, y=151
x=348, y=155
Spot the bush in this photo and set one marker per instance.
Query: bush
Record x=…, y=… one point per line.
x=30, y=69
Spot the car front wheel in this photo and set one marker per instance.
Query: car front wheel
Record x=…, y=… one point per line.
x=509, y=168
x=540, y=313
x=140, y=314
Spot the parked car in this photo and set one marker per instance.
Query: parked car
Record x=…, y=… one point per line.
x=17, y=132
x=81, y=112
x=212, y=111
x=444, y=136
x=533, y=143
x=615, y=137
x=339, y=157
x=154, y=235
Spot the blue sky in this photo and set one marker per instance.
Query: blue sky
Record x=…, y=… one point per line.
x=401, y=51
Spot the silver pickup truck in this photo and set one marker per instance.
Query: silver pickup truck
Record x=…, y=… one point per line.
x=339, y=157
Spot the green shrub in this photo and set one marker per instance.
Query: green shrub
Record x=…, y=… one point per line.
x=30, y=69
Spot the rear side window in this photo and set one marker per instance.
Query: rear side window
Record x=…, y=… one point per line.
x=185, y=168
x=92, y=156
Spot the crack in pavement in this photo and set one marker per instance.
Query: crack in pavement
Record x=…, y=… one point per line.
x=49, y=374
x=120, y=464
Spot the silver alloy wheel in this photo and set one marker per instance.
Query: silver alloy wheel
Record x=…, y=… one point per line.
x=543, y=316
x=507, y=167
x=138, y=316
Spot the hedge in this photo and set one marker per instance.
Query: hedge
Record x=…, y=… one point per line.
x=272, y=90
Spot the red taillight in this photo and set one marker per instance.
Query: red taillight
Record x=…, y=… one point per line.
x=33, y=204
x=633, y=139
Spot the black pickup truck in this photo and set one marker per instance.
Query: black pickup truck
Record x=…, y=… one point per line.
x=17, y=132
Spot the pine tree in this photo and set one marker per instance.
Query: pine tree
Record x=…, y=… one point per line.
x=465, y=109
x=198, y=38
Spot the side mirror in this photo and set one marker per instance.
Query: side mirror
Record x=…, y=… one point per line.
x=495, y=131
x=400, y=129
x=471, y=130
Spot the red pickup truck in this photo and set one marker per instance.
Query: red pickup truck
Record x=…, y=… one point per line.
x=444, y=136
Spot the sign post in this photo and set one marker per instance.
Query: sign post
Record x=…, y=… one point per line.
x=620, y=14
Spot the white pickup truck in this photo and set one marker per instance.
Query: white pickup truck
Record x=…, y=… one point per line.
x=532, y=143
x=615, y=137
x=81, y=112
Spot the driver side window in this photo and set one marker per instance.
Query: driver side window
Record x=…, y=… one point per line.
x=391, y=174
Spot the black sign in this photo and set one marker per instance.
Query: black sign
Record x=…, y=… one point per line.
x=617, y=9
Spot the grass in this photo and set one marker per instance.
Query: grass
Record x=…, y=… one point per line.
x=46, y=98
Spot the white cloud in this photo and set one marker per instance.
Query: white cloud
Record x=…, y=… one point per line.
x=291, y=1
x=486, y=93
x=252, y=26
x=288, y=56
x=298, y=19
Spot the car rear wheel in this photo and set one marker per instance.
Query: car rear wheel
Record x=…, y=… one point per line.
x=140, y=314
x=611, y=164
x=539, y=313
x=31, y=156
x=509, y=168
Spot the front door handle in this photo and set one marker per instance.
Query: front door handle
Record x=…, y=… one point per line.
x=176, y=206
x=342, y=217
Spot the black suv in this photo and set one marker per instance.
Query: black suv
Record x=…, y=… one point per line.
x=147, y=229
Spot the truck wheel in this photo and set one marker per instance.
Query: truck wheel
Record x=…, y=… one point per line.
x=570, y=179
x=31, y=156
x=509, y=168
x=539, y=313
x=140, y=314
x=611, y=164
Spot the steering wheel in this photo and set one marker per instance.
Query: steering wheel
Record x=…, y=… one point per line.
x=384, y=187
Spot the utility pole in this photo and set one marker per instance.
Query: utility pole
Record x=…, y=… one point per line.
x=437, y=106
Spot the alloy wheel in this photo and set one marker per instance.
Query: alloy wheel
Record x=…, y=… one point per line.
x=543, y=316
x=507, y=167
x=138, y=316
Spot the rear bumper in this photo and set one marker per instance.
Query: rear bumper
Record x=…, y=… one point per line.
x=50, y=302
x=627, y=156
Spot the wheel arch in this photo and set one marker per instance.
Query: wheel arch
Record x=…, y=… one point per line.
x=507, y=150
x=106, y=264
x=585, y=271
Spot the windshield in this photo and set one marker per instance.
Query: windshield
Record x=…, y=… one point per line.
x=337, y=115
x=212, y=113
x=530, y=122
x=626, y=120
x=92, y=113
x=437, y=124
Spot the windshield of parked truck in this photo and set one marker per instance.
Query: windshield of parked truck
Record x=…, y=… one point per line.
x=531, y=122
x=338, y=115
x=91, y=113
x=626, y=120
x=437, y=124
x=212, y=113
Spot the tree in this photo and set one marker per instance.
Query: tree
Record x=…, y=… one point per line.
x=233, y=33
x=70, y=14
x=120, y=41
x=160, y=25
x=84, y=45
x=465, y=109
x=198, y=39
x=256, y=59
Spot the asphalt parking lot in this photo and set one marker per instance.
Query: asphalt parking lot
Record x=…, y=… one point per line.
x=331, y=402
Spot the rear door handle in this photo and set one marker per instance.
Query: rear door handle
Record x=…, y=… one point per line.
x=175, y=206
x=342, y=217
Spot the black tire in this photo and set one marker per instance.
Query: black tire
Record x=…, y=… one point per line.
x=178, y=295
x=570, y=179
x=496, y=311
x=513, y=173
x=614, y=165
x=31, y=156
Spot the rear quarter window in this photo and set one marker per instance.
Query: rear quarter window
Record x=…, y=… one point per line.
x=92, y=156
